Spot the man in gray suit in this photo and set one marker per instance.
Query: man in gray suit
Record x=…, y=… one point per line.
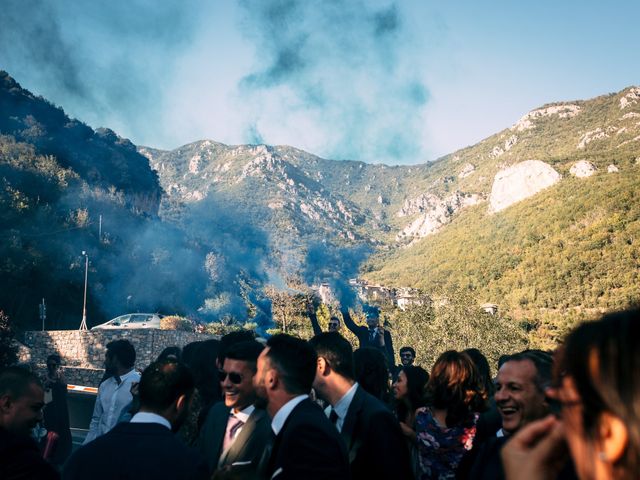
x=236, y=437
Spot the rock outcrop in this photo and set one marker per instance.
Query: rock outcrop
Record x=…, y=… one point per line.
x=435, y=212
x=520, y=181
x=582, y=169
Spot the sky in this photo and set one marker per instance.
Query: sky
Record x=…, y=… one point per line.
x=396, y=82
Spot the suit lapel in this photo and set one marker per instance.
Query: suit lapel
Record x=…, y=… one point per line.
x=218, y=431
x=243, y=438
x=350, y=419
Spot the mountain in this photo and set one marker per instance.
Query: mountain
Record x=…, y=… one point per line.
x=542, y=218
x=514, y=218
x=66, y=190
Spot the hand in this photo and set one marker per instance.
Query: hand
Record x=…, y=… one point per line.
x=537, y=452
x=408, y=432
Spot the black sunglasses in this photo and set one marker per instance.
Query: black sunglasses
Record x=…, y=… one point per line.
x=234, y=377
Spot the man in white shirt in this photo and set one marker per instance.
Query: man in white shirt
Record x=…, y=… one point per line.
x=146, y=447
x=114, y=393
x=376, y=446
x=236, y=437
x=306, y=444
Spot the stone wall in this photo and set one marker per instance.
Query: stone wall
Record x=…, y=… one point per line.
x=83, y=352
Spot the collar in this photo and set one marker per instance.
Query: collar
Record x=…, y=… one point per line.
x=244, y=414
x=281, y=416
x=501, y=433
x=148, y=417
x=342, y=406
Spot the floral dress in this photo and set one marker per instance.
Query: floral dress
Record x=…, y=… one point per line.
x=440, y=449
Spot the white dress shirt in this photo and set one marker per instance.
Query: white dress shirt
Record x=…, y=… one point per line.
x=149, y=417
x=112, y=399
x=281, y=416
x=243, y=416
x=342, y=406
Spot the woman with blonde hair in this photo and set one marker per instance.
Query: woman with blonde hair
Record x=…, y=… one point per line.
x=446, y=426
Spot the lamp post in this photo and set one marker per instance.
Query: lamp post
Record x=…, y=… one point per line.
x=83, y=324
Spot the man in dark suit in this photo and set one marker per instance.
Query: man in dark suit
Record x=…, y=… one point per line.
x=306, y=446
x=236, y=437
x=373, y=335
x=377, y=448
x=21, y=402
x=146, y=448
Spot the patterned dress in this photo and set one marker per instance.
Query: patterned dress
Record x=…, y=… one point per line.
x=440, y=449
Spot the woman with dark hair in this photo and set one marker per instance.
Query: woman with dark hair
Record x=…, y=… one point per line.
x=408, y=392
x=446, y=426
x=598, y=392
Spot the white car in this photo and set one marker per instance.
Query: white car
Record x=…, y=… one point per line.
x=131, y=320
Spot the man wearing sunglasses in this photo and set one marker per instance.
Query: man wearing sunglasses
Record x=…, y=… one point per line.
x=236, y=436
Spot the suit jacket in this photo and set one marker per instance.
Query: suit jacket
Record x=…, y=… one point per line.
x=136, y=451
x=253, y=443
x=21, y=460
x=308, y=447
x=377, y=449
x=364, y=338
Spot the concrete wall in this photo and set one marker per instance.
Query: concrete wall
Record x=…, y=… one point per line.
x=83, y=352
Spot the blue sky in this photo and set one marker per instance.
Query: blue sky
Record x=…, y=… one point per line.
x=379, y=81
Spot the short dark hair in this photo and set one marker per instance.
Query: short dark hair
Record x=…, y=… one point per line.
x=163, y=382
x=123, y=351
x=542, y=361
x=54, y=357
x=371, y=371
x=336, y=350
x=245, y=351
x=232, y=338
x=14, y=381
x=295, y=360
x=408, y=349
x=171, y=353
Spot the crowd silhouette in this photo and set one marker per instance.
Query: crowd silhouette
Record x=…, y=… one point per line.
x=286, y=408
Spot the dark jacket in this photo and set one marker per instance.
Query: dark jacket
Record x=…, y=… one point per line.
x=253, y=443
x=137, y=451
x=364, y=337
x=20, y=459
x=377, y=449
x=308, y=447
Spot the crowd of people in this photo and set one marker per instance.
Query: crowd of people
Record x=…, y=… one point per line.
x=286, y=408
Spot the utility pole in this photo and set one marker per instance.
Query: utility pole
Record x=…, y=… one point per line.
x=43, y=313
x=83, y=324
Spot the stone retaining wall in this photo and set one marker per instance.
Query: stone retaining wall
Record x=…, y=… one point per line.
x=86, y=349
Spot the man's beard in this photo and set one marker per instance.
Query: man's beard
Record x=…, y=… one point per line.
x=261, y=403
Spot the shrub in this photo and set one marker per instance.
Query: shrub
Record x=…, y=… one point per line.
x=176, y=322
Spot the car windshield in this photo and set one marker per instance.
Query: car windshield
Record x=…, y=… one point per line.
x=140, y=318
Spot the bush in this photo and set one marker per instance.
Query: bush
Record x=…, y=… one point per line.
x=176, y=322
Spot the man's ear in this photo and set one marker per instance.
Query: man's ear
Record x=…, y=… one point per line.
x=323, y=366
x=272, y=379
x=614, y=437
x=182, y=402
x=5, y=403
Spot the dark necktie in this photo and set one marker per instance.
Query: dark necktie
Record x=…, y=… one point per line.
x=333, y=417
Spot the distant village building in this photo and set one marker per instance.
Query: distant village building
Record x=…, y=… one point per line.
x=490, y=308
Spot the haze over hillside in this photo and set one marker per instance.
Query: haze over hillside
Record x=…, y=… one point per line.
x=505, y=219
